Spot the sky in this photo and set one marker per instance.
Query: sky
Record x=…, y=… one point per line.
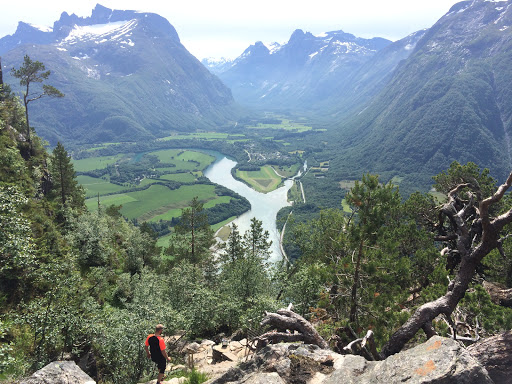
x=225, y=28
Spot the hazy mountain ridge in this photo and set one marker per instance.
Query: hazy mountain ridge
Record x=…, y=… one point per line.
x=302, y=73
x=449, y=101
x=126, y=77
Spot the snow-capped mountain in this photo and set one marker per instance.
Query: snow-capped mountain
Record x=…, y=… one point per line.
x=300, y=73
x=125, y=74
x=217, y=65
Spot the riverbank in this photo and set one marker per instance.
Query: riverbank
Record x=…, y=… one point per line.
x=264, y=206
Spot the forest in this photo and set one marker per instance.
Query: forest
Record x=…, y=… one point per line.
x=77, y=283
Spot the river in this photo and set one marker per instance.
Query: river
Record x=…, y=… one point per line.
x=264, y=206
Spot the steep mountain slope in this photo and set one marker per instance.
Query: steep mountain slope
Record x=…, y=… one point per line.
x=125, y=74
x=451, y=100
x=300, y=74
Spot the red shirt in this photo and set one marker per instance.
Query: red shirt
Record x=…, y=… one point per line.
x=161, y=342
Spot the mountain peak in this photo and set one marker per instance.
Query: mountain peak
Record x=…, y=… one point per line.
x=101, y=13
x=298, y=34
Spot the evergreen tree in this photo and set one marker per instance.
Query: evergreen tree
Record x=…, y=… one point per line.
x=65, y=186
x=373, y=203
x=234, y=247
x=33, y=72
x=245, y=279
x=193, y=236
x=256, y=240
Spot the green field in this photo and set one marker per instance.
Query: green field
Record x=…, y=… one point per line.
x=206, y=136
x=265, y=180
x=156, y=202
x=286, y=124
x=92, y=163
x=105, y=201
x=94, y=185
x=289, y=171
x=184, y=160
x=181, y=177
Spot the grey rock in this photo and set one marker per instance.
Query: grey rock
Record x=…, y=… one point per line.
x=439, y=360
x=495, y=354
x=60, y=372
x=264, y=378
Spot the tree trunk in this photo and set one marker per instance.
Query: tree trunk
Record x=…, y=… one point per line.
x=495, y=354
x=472, y=247
x=287, y=322
x=353, y=294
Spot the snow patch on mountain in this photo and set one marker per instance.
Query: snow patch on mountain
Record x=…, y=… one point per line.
x=100, y=32
x=273, y=47
x=42, y=28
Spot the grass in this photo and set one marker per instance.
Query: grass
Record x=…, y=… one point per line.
x=156, y=202
x=94, y=185
x=345, y=206
x=295, y=193
x=184, y=160
x=119, y=199
x=92, y=163
x=181, y=177
x=202, y=135
x=289, y=171
x=265, y=180
x=286, y=125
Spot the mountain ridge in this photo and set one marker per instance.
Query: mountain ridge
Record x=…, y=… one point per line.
x=449, y=101
x=309, y=74
x=126, y=77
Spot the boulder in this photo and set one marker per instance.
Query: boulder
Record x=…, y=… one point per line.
x=495, y=354
x=439, y=360
x=59, y=372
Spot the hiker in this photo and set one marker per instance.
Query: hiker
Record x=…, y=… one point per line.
x=155, y=349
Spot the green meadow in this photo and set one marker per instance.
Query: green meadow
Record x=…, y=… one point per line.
x=206, y=136
x=265, y=180
x=92, y=163
x=157, y=201
x=94, y=185
x=286, y=124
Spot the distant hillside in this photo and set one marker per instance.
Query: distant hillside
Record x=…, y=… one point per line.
x=126, y=77
x=450, y=100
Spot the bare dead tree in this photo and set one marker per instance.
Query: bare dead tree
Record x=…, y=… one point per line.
x=290, y=327
x=475, y=234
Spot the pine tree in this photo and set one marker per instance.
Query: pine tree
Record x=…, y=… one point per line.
x=65, y=185
x=256, y=240
x=33, y=72
x=193, y=236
